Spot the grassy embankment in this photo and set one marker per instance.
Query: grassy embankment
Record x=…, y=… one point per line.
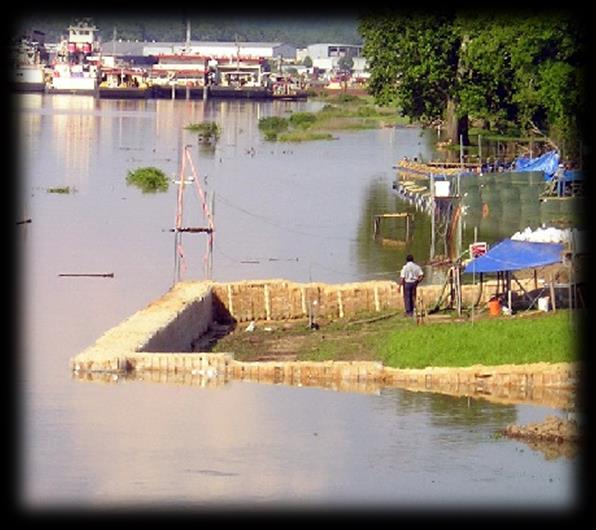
x=342, y=112
x=398, y=342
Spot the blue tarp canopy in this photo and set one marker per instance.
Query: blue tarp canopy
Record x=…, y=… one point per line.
x=511, y=255
x=547, y=163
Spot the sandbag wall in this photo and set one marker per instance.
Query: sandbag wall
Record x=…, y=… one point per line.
x=244, y=301
x=283, y=300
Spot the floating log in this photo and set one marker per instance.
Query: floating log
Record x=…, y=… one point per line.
x=90, y=274
x=192, y=229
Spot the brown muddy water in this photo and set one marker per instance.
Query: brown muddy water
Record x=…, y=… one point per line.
x=297, y=211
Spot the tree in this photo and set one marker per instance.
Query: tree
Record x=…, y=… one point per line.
x=414, y=63
x=345, y=64
x=486, y=86
x=548, y=63
x=307, y=61
x=505, y=70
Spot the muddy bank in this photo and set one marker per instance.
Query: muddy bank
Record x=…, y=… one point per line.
x=555, y=437
x=552, y=429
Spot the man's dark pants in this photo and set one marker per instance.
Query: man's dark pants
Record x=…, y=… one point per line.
x=410, y=297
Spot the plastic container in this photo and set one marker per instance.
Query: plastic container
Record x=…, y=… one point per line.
x=442, y=188
x=543, y=303
x=494, y=307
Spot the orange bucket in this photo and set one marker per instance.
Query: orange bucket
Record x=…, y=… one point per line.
x=494, y=307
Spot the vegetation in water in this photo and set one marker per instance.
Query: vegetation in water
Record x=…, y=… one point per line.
x=344, y=112
x=207, y=130
x=60, y=189
x=304, y=136
x=148, y=179
x=272, y=126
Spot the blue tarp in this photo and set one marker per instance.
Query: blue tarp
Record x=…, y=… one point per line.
x=572, y=175
x=511, y=255
x=547, y=163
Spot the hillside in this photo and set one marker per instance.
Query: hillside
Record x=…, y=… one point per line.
x=299, y=29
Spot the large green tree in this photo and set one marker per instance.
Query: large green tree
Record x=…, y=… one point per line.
x=504, y=70
x=525, y=72
x=414, y=63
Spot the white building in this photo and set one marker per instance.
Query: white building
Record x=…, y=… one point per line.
x=255, y=50
x=325, y=56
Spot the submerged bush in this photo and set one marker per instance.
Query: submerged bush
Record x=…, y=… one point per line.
x=208, y=130
x=59, y=189
x=148, y=179
x=302, y=120
x=272, y=126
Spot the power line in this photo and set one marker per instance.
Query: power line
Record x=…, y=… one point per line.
x=270, y=222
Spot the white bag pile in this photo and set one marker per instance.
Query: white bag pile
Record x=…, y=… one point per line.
x=552, y=235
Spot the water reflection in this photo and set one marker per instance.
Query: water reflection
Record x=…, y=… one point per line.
x=500, y=204
x=494, y=207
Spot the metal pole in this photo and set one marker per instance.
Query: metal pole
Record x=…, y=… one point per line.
x=432, y=217
x=461, y=150
x=461, y=161
x=474, y=269
x=509, y=292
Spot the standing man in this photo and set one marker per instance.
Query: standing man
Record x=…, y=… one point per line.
x=411, y=274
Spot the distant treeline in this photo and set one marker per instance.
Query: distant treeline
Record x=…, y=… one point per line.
x=299, y=30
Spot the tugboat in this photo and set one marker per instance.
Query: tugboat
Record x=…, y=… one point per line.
x=76, y=70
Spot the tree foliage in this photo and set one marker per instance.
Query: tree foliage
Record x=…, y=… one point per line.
x=345, y=64
x=413, y=61
x=523, y=72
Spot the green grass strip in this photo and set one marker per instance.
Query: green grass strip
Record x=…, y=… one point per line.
x=503, y=340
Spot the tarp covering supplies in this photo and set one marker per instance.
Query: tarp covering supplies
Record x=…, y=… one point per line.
x=510, y=255
x=547, y=163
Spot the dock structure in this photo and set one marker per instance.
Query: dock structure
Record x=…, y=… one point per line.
x=164, y=341
x=417, y=170
x=408, y=217
x=414, y=193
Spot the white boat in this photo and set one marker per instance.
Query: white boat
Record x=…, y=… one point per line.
x=29, y=78
x=73, y=79
x=28, y=74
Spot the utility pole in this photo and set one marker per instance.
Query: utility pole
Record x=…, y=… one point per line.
x=179, y=229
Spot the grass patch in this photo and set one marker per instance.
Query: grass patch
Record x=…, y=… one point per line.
x=540, y=338
x=302, y=120
x=398, y=342
x=148, y=179
x=304, y=136
x=347, y=112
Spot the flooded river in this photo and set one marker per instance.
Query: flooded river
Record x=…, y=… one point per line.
x=297, y=211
